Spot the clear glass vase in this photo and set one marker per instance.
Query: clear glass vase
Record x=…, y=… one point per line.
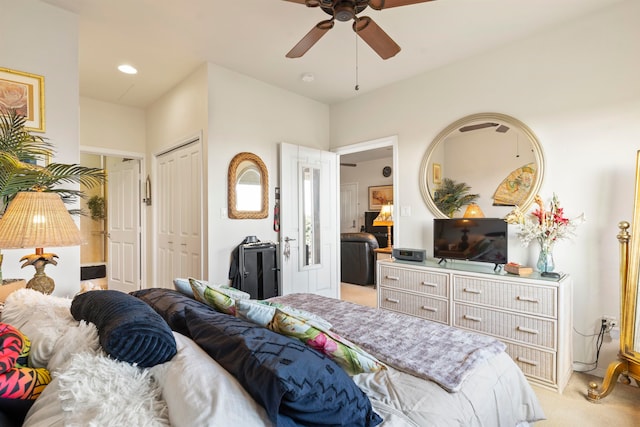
x=545, y=259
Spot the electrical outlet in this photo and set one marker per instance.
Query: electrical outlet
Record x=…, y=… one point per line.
x=609, y=321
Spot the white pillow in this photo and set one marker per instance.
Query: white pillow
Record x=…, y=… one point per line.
x=183, y=286
x=200, y=392
x=46, y=411
x=261, y=313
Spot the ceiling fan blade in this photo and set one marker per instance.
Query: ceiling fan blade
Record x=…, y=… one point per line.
x=310, y=39
x=386, y=4
x=350, y=165
x=300, y=1
x=375, y=37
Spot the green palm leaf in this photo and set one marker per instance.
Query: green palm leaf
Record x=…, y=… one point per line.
x=451, y=196
x=20, y=153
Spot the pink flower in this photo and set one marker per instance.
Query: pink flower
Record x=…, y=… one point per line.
x=13, y=96
x=323, y=344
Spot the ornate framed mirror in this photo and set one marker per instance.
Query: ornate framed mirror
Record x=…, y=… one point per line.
x=497, y=156
x=248, y=185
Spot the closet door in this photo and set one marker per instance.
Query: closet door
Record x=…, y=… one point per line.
x=179, y=215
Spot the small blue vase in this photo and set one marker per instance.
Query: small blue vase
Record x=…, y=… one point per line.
x=545, y=262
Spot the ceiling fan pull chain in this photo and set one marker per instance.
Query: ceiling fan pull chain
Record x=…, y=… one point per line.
x=357, y=87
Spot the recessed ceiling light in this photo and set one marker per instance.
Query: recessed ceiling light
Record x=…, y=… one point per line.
x=127, y=69
x=307, y=77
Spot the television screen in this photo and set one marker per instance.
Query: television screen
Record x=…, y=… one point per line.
x=471, y=239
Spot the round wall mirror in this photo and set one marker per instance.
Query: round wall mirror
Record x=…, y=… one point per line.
x=248, y=184
x=496, y=156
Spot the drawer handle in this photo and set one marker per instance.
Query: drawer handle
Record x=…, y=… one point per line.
x=535, y=300
x=527, y=330
x=527, y=361
x=433, y=285
x=393, y=300
x=475, y=319
x=396, y=278
x=431, y=309
x=472, y=291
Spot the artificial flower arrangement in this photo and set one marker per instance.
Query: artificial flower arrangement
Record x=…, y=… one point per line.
x=545, y=226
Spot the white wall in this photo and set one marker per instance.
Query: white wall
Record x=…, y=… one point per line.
x=116, y=127
x=177, y=117
x=235, y=113
x=45, y=42
x=248, y=115
x=577, y=88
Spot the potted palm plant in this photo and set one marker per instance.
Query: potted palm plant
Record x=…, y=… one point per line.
x=22, y=165
x=21, y=157
x=452, y=195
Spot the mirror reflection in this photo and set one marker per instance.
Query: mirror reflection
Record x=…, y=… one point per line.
x=248, y=184
x=248, y=187
x=311, y=215
x=491, y=159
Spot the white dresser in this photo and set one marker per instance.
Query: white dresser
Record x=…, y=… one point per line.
x=532, y=315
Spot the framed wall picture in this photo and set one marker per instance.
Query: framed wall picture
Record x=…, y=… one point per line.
x=437, y=173
x=23, y=92
x=380, y=195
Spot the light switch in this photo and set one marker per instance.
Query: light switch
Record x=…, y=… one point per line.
x=405, y=210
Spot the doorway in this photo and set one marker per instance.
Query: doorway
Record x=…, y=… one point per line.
x=112, y=227
x=364, y=165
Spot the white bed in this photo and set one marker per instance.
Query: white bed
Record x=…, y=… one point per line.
x=492, y=392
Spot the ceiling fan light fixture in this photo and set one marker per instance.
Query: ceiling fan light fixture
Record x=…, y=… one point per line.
x=344, y=11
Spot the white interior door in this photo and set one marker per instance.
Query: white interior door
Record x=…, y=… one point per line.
x=179, y=215
x=309, y=221
x=349, y=208
x=123, y=217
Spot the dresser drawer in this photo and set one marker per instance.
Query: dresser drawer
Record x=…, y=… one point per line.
x=423, y=282
x=524, y=329
x=522, y=298
x=534, y=363
x=415, y=305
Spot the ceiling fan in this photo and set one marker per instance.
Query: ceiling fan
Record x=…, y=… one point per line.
x=365, y=27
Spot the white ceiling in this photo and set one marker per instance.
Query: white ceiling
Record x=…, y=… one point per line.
x=168, y=39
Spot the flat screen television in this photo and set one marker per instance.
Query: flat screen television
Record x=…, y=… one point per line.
x=471, y=239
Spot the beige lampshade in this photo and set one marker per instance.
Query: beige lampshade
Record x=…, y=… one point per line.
x=37, y=219
x=385, y=218
x=473, y=211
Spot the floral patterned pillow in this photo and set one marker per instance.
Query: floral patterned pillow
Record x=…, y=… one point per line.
x=222, y=298
x=349, y=356
x=262, y=312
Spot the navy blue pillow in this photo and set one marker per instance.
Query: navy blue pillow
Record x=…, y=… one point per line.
x=170, y=304
x=128, y=328
x=296, y=385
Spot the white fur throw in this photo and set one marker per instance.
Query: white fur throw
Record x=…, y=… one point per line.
x=96, y=390
x=42, y=318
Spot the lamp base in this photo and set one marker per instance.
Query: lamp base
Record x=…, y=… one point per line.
x=41, y=283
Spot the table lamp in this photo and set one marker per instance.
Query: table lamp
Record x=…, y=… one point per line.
x=38, y=219
x=385, y=219
x=473, y=211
